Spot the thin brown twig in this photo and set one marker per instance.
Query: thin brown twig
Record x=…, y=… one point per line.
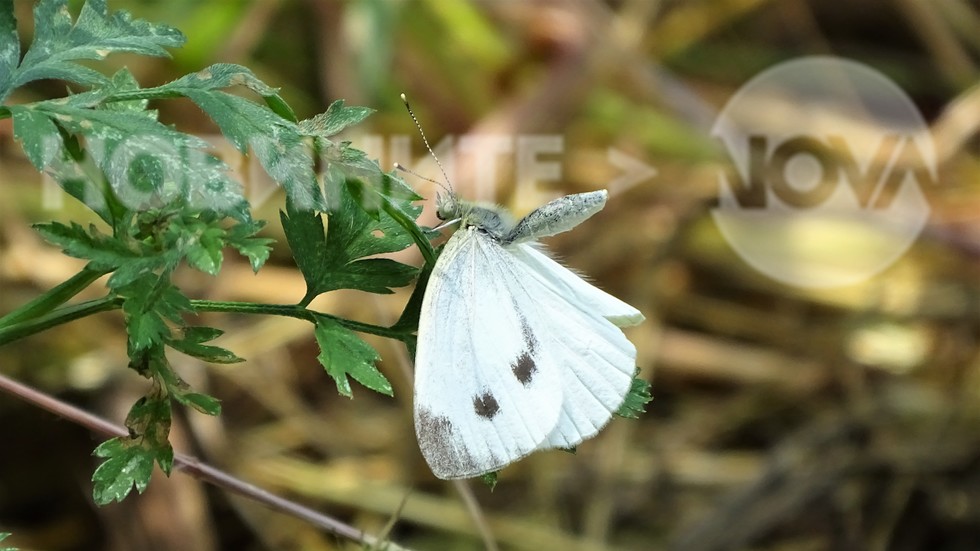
x=196, y=468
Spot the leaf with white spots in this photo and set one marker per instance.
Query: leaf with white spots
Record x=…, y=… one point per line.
x=9, y=44
x=129, y=461
x=59, y=43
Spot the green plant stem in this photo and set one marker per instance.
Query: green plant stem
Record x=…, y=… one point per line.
x=193, y=466
x=15, y=331
x=53, y=298
x=299, y=312
x=57, y=317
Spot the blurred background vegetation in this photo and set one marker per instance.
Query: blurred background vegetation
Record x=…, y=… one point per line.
x=783, y=419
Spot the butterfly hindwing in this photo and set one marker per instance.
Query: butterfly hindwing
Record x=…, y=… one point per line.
x=486, y=390
x=596, y=361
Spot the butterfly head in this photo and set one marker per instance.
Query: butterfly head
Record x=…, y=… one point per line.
x=448, y=206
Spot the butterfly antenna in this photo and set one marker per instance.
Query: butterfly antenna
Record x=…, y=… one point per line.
x=403, y=168
x=427, y=146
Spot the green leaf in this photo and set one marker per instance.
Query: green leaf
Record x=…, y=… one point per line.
x=127, y=464
x=149, y=302
x=218, y=76
x=204, y=253
x=242, y=238
x=490, y=479
x=343, y=354
x=38, y=136
x=164, y=376
x=147, y=164
x=58, y=43
x=129, y=461
x=203, y=403
x=336, y=118
x=130, y=260
x=275, y=141
x=336, y=259
x=9, y=44
x=191, y=344
x=636, y=400
x=224, y=75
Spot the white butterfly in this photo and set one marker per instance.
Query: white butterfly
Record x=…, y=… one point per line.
x=516, y=353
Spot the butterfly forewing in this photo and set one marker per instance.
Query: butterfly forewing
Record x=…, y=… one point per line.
x=573, y=288
x=487, y=391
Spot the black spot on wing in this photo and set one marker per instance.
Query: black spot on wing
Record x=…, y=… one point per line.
x=524, y=367
x=485, y=405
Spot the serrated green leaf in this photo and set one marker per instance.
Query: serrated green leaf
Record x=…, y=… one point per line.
x=274, y=141
x=203, y=403
x=218, y=76
x=147, y=164
x=9, y=45
x=336, y=260
x=105, y=252
x=336, y=118
x=224, y=75
x=490, y=479
x=164, y=240
x=636, y=399
x=343, y=354
x=129, y=461
x=58, y=44
x=149, y=302
x=204, y=253
x=255, y=249
x=126, y=465
x=173, y=386
x=38, y=136
x=121, y=82
x=191, y=344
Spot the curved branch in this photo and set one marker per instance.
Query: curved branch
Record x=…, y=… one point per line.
x=196, y=468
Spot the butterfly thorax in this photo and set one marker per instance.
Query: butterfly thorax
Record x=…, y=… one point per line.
x=490, y=219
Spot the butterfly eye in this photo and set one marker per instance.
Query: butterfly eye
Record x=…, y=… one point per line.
x=441, y=207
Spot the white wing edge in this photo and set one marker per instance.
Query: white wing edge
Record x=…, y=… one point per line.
x=567, y=283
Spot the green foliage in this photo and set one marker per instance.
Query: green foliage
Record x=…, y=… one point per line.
x=58, y=42
x=343, y=354
x=336, y=118
x=165, y=201
x=335, y=257
x=636, y=400
x=489, y=479
x=5, y=535
x=129, y=460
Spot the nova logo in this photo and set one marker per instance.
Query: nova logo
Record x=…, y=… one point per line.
x=830, y=158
